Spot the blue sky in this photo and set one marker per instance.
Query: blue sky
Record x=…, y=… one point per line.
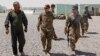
x=41, y=3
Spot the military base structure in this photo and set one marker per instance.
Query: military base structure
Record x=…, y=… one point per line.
x=66, y=8
x=61, y=9
x=2, y=9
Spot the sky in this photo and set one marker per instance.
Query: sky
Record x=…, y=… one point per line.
x=41, y=3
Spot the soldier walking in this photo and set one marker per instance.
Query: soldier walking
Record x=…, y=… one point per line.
x=73, y=27
x=45, y=23
x=85, y=25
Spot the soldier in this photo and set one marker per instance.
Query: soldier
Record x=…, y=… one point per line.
x=46, y=24
x=73, y=27
x=17, y=19
x=85, y=23
x=52, y=10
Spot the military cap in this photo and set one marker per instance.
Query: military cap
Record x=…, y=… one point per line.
x=86, y=6
x=75, y=7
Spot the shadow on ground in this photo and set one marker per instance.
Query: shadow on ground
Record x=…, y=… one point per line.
x=92, y=33
x=58, y=54
x=78, y=53
x=81, y=53
x=59, y=39
x=31, y=55
x=23, y=55
x=85, y=37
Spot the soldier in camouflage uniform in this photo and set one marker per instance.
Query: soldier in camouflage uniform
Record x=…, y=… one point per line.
x=46, y=24
x=52, y=10
x=86, y=15
x=17, y=19
x=73, y=27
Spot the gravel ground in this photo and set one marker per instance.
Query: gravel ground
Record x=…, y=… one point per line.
x=86, y=46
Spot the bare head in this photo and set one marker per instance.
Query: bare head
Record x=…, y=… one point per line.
x=47, y=8
x=53, y=6
x=16, y=6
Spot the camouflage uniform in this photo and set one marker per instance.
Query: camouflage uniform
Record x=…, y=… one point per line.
x=52, y=10
x=55, y=36
x=85, y=23
x=46, y=25
x=16, y=20
x=73, y=26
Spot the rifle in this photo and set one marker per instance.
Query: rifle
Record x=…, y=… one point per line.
x=68, y=38
x=67, y=32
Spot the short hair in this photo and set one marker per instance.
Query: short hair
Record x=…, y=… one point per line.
x=47, y=6
x=52, y=5
x=15, y=3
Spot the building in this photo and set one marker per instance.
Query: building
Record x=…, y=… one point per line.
x=2, y=9
x=67, y=8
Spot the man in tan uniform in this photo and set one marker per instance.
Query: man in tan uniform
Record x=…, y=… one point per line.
x=52, y=10
x=73, y=27
x=86, y=15
x=45, y=22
